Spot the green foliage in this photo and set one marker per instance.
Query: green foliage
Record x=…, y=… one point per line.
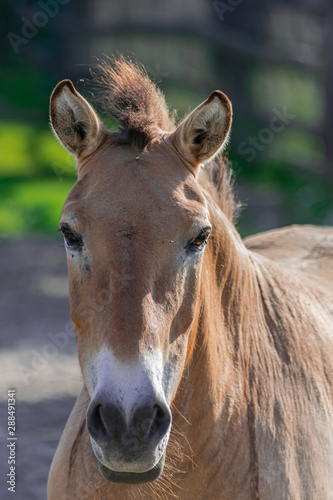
x=16, y=150
x=36, y=174
x=297, y=90
x=29, y=153
x=31, y=206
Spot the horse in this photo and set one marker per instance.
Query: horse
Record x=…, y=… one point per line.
x=206, y=360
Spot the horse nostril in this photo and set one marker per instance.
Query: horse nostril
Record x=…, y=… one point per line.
x=105, y=422
x=159, y=412
x=160, y=422
x=95, y=424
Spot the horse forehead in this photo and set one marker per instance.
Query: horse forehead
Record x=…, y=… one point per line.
x=133, y=205
x=119, y=184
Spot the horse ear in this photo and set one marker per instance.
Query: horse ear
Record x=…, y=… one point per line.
x=205, y=131
x=74, y=121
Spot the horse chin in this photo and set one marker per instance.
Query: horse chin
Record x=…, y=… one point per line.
x=133, y=477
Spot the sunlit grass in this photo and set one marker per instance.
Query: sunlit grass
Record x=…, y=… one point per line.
x=36, y=174
x=31, y=206
x=16, y=148
x=32, y=152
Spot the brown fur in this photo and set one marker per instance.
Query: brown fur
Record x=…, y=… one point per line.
x=253, y=409
x=126, y=93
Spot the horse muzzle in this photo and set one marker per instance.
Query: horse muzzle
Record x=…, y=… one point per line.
x=130, y=446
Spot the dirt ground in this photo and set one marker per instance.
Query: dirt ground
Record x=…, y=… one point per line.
x=37, y=359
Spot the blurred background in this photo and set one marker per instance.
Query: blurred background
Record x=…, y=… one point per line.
x=273, y=58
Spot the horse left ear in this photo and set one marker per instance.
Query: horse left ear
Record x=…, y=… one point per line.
x=205, y=131
x=74, y=121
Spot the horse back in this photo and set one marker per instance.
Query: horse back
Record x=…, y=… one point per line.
x=307, y=249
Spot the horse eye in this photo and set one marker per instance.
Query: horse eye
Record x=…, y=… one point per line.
x=200, y=241
x=73, y=240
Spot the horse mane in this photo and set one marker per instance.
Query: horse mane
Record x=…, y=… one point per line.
x=126, y=93
x=217, y=178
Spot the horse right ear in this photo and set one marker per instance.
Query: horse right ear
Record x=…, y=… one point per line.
x=204, y=132
x=74, y=121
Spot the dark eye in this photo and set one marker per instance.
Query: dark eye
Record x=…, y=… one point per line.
x=73, y=240
x=200, y=241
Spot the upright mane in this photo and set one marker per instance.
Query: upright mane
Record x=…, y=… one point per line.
x=218, y=180
x=126, y=93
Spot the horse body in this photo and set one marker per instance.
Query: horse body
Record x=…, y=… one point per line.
x=244, y=328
